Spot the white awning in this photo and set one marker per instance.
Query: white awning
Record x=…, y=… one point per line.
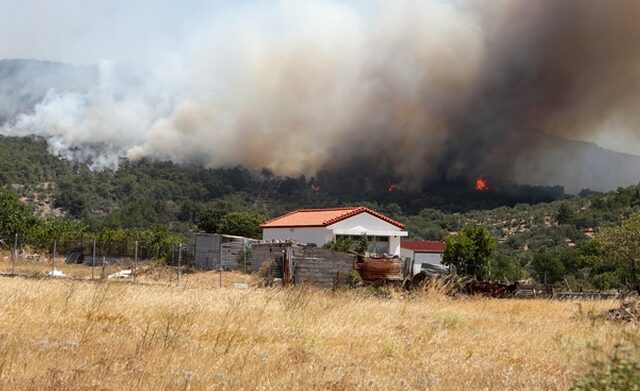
x=358, y=231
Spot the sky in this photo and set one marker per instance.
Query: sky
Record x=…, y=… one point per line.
x=85, y=32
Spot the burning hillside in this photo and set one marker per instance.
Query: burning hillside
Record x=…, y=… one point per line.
x=418, y=91
x=482, y=184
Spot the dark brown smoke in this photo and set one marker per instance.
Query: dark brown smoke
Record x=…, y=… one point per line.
x=565, y=68
x=399, y=91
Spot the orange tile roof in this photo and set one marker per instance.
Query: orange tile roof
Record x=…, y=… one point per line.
x=322, y=217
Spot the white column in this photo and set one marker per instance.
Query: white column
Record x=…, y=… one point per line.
x=394, y=245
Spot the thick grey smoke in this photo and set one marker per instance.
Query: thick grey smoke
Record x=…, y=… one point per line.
x=450, y=89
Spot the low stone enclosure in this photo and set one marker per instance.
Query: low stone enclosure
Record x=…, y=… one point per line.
x=297, y=264
x=300, y=264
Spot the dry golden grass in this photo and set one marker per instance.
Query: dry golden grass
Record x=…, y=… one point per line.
x=81, y=335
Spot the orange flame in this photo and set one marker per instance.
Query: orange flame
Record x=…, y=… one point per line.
x=482, y=184
x=315, y=188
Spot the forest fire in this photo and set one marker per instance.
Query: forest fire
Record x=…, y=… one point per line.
x=393, y=187
x=482, y=184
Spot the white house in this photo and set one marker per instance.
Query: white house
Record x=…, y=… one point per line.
x=320, y=226
x=422, y=252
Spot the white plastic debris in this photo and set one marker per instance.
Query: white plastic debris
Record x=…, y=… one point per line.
x=56, y=273
x=241, y=285
x=121, y=274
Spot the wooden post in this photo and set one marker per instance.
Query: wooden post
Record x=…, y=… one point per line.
x=568, y=286
x=135, y=263
x=244, y=255
x=93, y=259
x=286, y=272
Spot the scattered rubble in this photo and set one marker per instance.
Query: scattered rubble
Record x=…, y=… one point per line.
x=629, y=310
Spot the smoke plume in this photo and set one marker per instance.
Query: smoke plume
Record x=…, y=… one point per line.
x=420, y=90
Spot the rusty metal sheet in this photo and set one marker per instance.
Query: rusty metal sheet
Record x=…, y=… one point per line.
x=379, y=268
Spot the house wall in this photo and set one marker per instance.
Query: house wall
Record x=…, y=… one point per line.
x=366, y=223
x=419, y=258
x=406, y=253
x=305, y=235
x=432, y=258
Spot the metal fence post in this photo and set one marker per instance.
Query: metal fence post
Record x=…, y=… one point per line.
x=244, y=256
x=179, y=263
x=53, y=258
x=14, y=255
x=93, y=259
x=220, y=269
x=135, y=263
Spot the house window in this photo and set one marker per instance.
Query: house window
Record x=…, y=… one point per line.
x=378, y=245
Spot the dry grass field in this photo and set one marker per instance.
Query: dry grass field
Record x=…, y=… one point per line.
x=82, y=335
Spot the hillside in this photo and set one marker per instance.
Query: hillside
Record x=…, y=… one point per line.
x=148, y=192
x=527, y=222
x=577, y=165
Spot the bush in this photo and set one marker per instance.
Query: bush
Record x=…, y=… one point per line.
x=353, y=278
x=604, y=281
x=620, y=371
x=347, y=244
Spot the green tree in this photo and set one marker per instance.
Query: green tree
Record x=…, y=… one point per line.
x=605, y=281
x=241, y=223
x=14, y=215
x=548, y=267
x=621, y=248
x=469, y=251
x=209, y=220
x=565, y=214
x=501, y=267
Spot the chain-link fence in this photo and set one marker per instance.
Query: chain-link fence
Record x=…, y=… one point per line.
x=86, y=258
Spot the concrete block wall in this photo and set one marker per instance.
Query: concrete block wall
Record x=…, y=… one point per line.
x=320, y=266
